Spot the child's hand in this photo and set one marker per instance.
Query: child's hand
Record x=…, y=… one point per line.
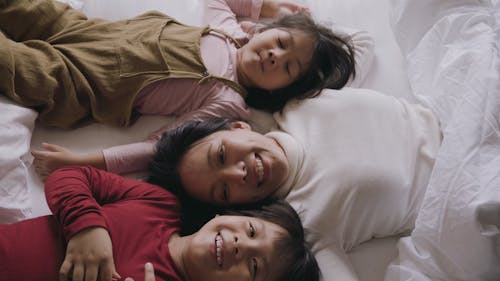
x=149, y=273
x=89, y=255
x=55, y=157
x=281, y=8
x=52, y=158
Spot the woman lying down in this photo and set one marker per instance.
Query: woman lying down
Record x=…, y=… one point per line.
x=105, y=226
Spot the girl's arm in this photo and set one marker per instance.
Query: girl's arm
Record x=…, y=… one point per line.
x=55, y=157
x=75, y=196
x=134, y=157
x=225, y=14
x=279, y=8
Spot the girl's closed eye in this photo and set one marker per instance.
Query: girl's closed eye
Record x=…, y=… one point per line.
x=255, y=268
x=221, y=154
x=280, y=43
x=287, y=68
x=251, y=230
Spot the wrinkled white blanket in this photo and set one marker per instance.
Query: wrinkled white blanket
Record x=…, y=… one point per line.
x=452, y=50
x=16, y=126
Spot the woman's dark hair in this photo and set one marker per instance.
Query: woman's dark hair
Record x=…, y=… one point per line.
x=300, y=263
x=331, y=66
x=163, y=168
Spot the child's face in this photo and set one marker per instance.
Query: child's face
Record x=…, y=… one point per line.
x=233, y=167
x=235, y=248
x=274, y=58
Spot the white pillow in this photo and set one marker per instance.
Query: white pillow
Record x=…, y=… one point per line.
x=367, y=160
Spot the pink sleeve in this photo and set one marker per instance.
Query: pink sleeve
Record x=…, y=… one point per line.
x=128, y=158
x=224, y=14
x=135, y=157
x=75, y=196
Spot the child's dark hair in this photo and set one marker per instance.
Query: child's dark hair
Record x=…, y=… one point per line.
x=332, y=64
x=163, y=168
x=300, y=263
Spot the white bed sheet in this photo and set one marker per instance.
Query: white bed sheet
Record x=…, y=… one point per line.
x=454, y=68
x=388, y=75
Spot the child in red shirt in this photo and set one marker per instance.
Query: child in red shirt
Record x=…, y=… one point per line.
x=92, y=208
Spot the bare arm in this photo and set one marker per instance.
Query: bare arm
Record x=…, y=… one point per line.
x=55, y=156
x=280, y=8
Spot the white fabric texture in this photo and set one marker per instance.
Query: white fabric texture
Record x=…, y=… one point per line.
x=453, y=66
x=366, y=161
x=15, y=135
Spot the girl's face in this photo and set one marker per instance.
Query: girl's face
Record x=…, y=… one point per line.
x=233, y=167
x=274, y=58
x=235, y=248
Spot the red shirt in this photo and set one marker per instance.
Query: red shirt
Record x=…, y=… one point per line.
x=139, y=217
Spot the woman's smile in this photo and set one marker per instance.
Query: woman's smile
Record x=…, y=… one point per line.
x=259, y=169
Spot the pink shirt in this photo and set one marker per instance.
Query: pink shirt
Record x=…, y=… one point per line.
x=185, y=98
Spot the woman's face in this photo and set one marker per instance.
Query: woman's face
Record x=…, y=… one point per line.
x=233, y=166
x=235, y=248
x=274, y=58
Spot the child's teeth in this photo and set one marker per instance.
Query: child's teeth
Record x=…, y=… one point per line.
x=218, y=249
x=260, y=169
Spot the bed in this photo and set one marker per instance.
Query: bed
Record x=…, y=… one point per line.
x=402, y=67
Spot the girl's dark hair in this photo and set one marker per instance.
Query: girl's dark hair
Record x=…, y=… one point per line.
x=163, y=168
x=331, y=66
x=299, y=261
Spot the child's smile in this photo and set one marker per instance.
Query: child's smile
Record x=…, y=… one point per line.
x=219, y=249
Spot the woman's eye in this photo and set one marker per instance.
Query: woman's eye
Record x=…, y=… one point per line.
x=221, y=155
x=252, y=230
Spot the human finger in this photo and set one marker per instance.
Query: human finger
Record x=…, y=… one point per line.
x=149, y=272
x=78, y=272
x=108, y=272
x=64, y=270
x=53, y=147
x=91, y=272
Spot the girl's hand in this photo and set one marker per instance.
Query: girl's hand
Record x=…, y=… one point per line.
x=55, y=157
x=149, y=273
x=89, y=255
x=281, y=8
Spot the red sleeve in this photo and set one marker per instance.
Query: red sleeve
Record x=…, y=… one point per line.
x=75, y=196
